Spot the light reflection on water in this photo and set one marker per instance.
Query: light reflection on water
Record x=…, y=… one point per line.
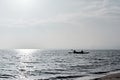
x=33, y=64
x=25, y=51
x=25, y=58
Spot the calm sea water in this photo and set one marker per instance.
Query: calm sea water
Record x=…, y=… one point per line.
x=56, y=64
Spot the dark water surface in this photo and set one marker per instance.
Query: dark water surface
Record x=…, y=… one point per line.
x=38, y=64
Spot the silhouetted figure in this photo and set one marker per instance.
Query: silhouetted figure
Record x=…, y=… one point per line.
x=74, y=51
x=82, y=51
x=78, y=52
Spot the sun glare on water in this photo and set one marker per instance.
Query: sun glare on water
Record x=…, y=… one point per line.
x=26, y=51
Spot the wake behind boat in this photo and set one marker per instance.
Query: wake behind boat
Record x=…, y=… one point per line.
x=79, y=52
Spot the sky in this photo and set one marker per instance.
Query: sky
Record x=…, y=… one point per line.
x=36, y=24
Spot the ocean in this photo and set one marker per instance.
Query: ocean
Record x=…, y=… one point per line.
x=37, y=64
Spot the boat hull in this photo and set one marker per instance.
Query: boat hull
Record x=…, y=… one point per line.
x=79, y=52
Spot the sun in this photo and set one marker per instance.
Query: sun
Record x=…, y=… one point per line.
x=24, y=3
x=28, y=5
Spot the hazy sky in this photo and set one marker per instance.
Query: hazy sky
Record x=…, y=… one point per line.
x=60, y=24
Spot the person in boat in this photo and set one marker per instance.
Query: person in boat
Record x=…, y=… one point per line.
x=82, y=51
x=74, y=51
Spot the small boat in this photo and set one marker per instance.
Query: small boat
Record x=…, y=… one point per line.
x=79, y=52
